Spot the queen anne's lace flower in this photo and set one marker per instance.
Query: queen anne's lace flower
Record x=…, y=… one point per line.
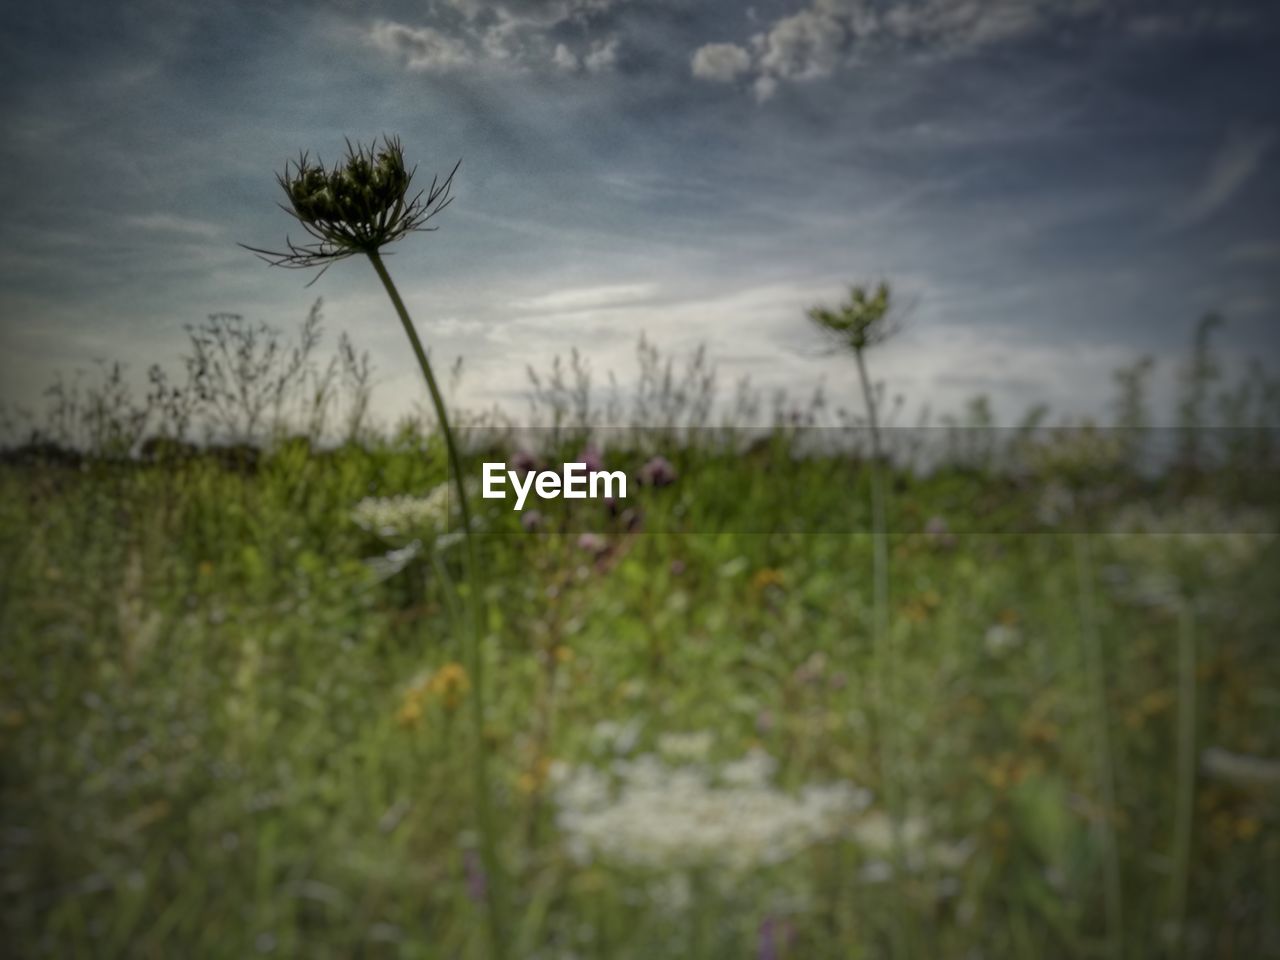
x=648, y=814
x=402, y=515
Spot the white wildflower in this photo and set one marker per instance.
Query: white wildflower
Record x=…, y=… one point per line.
x=401, y=515
x=618, y=738
x=755, y=769
x=873, y=835
x=647, y=814
x=1000, y=638
x=686, y=747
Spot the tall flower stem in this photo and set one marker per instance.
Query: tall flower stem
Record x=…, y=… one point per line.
x=1186, y=772
x=1095, y=673
x=472, y=655
x=885, y=655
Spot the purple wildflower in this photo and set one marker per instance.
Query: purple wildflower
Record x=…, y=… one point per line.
x=657, y=472
x=524, y=462
x=592, y=457
x=477, y=882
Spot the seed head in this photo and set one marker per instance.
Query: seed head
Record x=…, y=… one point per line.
x=860, y=322
x=359, y=205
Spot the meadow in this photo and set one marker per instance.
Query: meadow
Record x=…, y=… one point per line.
x=234, y=688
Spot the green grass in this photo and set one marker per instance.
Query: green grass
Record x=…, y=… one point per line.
x=204, y=690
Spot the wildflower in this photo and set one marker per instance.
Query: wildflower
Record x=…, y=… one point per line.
x=593, y=543
x=657, y=472
x=451, y=683
x=477, y=881
x=591, y=456
x=620, y=738
x=685, y=747
x=774, y=938
x=531, y=521
x=874, y=835
x=768, y=577
x=358, y=206
x=530, y=781
x=648, y=814
x=448, y=685
x=411, y=707
x=862, y=322
x=1000, y=638
x=397, y=516
x=523, y=462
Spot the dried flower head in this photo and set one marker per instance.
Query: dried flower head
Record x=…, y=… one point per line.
x=862, y=321
x=358, y=206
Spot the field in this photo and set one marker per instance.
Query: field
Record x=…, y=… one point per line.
x=236, y=703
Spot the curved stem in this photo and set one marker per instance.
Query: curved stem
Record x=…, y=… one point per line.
x=473, y=654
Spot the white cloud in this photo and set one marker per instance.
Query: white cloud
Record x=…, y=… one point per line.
x=518, y=34
x=804, y=46
x=1235, y=163
x=827, y=35
x=721, y=62
x=576, y=299
x=602, y=56
x=421, y=48
x=170, y=223
x=564, y=58
x=765, y=87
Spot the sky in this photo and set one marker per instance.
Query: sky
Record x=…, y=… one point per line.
x=1052, y=187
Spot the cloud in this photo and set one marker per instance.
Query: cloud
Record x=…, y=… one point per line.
x=576, y=299
x=1253, y=253
x=421, y=48
x=827, y=35
x=565, y=59
x=804, y=46
x=520, y=34
x=169, y=223
x=1235, y=163
x=721, y=62
x=602, y=56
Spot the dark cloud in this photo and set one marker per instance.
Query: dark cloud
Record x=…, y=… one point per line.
x=1056, y=176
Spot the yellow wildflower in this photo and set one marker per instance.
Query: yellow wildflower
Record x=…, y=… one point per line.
x=450, y=683
x=768, y=577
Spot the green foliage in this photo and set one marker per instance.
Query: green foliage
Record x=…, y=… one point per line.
x=226, y=733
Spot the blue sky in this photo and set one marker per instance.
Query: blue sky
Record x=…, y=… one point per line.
x=1052, y=186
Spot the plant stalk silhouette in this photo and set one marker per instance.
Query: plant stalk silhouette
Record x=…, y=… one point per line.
x=864, y=321
x=355, y=208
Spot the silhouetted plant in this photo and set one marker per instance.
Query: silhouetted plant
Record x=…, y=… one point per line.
x=865, y=320
x=243, y=374
x=359, y=206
